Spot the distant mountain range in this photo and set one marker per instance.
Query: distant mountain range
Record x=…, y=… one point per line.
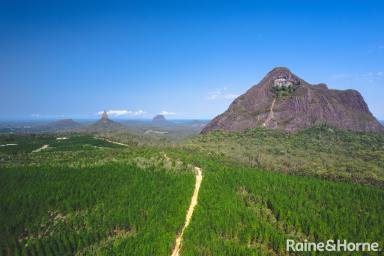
x=285, y=101
x=158, y=126
x=64, y=124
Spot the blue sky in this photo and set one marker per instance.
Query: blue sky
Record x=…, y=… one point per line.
x=186, y=58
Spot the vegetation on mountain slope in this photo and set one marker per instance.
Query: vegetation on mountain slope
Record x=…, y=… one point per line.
x=318, y=151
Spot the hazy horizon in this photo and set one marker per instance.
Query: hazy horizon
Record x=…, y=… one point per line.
x=85, y=119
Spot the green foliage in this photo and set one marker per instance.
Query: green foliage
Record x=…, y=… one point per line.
x=62, y=201
x=319, y=151
x=243, y=211
x=283, y=91
x=86, y=196
x=29, y=142
x=173, y=137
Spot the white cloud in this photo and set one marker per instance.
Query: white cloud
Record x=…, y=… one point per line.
x=123, y=112
x=35, y=115
x=166, y=113
x=221, y=94
x=230, y=96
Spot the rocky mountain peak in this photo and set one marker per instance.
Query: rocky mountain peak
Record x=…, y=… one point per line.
x=159, y=118
x=285, y=101
x=104, y=118
x=104, y=115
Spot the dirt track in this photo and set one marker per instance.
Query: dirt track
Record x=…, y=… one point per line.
x=39, y=149
x=199, y=179
x=179, y=238
x=114, y=142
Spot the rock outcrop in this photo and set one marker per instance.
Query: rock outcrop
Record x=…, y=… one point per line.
x=285, y=101
x=104, y=118
x=105, y=124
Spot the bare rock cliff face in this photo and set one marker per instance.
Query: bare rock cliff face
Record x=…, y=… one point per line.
x=301, y=105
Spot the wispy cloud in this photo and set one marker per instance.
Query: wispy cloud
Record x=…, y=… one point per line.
x=123, y=112
x=222, y=94
x=35, y=115
x=369, y=77
x=166, y=113
x=376, y=49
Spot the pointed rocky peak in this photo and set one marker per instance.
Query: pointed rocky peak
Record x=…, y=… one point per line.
x=104, y=117
x=282, y=77
x=105, y=124
x=277, y=70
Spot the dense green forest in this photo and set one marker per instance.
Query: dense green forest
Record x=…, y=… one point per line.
x=63, y=200
x=320, y=151
x=247, y=212
x=86, y=196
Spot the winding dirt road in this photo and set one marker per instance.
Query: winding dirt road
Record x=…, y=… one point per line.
x=39, y=149
x=179, y=238
x=111, y=141
x=192, y=205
